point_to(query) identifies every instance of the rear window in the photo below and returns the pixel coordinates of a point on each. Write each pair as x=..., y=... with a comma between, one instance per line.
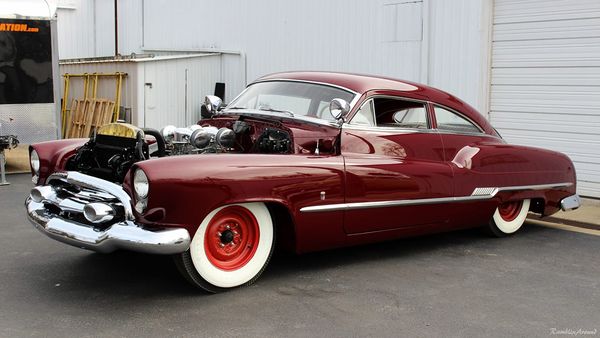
x=448, y=120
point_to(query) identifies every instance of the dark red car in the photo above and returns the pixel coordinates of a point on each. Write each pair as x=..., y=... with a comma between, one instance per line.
x=305, y=160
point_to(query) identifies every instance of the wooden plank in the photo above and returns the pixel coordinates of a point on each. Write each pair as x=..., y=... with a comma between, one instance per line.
x=69, y=117
x=77, y=118
x=91, y=110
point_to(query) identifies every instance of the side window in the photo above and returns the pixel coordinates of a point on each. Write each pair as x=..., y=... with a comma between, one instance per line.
x=450, y=121
x=400, y=113
x=365, y=115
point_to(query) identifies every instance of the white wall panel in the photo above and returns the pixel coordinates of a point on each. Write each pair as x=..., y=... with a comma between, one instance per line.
x=458, y=49
x=284, y=35
x=130, y=26
x=546, y=80
x=177, y=90
x=75, y=33
x=86, y=30
x=398, y=38
x=104, y=38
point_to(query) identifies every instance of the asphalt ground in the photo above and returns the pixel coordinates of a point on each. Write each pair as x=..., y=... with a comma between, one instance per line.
x=541, y=282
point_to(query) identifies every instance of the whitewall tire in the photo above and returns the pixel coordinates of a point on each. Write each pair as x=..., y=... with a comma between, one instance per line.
x=509, y=217
x=231, y=247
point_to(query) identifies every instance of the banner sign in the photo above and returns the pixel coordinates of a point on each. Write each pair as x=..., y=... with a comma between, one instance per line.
x=25, y=62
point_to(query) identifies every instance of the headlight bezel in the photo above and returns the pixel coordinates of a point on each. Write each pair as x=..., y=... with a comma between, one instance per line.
x=35, y=165
x=34, y=162
x=141, y=185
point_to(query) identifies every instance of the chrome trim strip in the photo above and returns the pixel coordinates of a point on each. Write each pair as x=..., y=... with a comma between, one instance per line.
x=492, y=191
x=570, y=203
x=478, y=194
x=123, y=235
x=385, y=204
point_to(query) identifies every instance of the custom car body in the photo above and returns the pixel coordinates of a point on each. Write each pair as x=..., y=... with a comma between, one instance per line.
x=305, y=160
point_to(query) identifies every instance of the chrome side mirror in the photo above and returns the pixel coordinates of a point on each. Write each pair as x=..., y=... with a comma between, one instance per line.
x=339, y=108
x=212, y=104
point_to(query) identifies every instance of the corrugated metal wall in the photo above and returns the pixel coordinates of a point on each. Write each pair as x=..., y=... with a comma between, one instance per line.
x=159, y=91
x=546, y=80
x=433, y=41
x=177, y=89
x=458, y=54
x=86, y=29
x=283, y=35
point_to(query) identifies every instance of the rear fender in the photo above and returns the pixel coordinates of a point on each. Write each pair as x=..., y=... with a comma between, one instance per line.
x=504, y=165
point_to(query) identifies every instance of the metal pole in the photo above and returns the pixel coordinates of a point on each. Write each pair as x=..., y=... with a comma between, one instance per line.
x=64, y=106
x=2, y=163
x=116, y=30
x=118, y=96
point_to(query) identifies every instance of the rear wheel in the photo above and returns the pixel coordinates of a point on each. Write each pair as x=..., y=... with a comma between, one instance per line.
x=231, y=247
x=509, y=217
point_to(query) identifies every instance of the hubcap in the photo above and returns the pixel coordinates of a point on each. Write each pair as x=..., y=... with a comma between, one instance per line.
x=231, y=238
x=510, y=210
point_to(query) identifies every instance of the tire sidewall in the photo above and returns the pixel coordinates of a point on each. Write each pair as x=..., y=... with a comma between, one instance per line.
x=503, y=227
x=228, y=279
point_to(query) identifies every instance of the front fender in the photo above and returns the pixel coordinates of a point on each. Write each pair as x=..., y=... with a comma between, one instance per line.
x=185, y=189
x=54, y=155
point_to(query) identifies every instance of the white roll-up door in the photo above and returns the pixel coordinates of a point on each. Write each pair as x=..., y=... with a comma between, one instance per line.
x=545, y=80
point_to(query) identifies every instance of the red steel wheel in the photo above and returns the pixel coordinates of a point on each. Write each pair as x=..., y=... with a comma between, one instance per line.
x=231, y=247
x=509, y=217
x=231, y=238
x=510, y=210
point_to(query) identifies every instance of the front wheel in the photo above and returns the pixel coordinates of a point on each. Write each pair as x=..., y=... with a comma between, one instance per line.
x=508, y=218
x=231, y=247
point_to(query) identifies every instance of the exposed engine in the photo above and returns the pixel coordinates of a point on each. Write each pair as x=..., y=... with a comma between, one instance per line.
x=114, y=148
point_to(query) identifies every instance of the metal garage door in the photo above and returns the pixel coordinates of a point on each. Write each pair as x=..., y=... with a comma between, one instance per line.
x=545, y=81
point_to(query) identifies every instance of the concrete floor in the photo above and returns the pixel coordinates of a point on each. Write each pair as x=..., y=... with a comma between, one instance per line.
x=451, y=285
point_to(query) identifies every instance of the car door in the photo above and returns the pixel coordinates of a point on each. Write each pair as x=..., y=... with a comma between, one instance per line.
x=394, y=163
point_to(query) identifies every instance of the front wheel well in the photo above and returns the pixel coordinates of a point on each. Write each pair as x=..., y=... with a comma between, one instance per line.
x=284, y=226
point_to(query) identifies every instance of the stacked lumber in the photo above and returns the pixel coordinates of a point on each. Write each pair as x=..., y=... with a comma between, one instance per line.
x=88, y=115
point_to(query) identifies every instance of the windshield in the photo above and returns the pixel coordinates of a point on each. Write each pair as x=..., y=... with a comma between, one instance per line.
x=291, y=98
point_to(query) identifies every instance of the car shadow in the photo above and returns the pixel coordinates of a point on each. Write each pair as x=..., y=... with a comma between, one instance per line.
x=140, y=275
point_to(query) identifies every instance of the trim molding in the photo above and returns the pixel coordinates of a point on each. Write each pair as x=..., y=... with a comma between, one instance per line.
x=477, y=195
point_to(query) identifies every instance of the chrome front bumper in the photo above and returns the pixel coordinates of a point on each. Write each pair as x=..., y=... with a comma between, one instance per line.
x=124, y=234
x=570, y=203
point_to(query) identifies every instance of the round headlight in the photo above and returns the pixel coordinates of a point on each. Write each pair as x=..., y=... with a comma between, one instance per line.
x=140, y=184
x=34, y=160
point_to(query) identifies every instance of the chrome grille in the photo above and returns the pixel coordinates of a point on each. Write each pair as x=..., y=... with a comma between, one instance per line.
x=64, y=198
